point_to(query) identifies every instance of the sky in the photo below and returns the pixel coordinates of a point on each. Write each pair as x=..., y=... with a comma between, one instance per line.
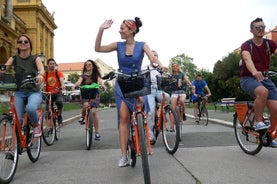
x=206, y=31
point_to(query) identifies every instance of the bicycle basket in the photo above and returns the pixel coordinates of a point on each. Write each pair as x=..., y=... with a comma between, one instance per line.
x=241, y=109
x=167, y=84
x=88, y=93
x=135, y=85
x=7, y=79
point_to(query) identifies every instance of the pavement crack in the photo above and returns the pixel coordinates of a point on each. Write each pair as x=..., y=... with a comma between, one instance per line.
x=187, y=170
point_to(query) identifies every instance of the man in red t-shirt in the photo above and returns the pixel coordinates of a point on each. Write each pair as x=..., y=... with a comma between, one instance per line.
x=256, y=60
x=54, y=81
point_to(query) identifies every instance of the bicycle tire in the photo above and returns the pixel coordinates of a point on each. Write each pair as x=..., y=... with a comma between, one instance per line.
x=34, y=145
x=132, y=155
x=48, y=129
x=143, y=148
x=204, y=115
x=170, y=133
x=8, y=158
x=180, y=117
x=56, y=126
x=89, y=129
x=249, y=143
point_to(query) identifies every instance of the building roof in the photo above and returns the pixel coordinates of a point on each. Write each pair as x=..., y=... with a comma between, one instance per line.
x=78, y=66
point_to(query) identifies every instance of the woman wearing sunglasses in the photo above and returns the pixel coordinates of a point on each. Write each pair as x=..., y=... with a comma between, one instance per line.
x=25, y=64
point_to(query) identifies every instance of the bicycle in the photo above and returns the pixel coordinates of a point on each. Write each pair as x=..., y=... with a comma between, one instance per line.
x=50, y=128
x=89, y=92
x=168, y=83
x=15, y=139
x=202, y=114
x=249, y=140
x=134, y=86
x=166, y=121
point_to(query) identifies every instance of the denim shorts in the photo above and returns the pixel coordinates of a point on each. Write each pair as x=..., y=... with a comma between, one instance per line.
x=249, y=84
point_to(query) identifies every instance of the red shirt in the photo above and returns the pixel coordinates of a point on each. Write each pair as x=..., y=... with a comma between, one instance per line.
x=52, y=82
x=260, y=56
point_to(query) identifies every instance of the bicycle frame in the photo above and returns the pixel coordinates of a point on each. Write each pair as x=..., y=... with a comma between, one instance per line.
x=17, y=128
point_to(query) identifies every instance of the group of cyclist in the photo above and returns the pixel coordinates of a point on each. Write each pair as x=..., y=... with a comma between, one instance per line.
x=130, y=55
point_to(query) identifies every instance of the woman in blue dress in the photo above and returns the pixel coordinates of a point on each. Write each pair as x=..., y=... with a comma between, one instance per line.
x=130, y=55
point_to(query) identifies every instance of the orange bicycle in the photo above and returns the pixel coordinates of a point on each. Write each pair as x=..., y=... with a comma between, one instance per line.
x=249, y=140
x=14, y=138
x=166, y=121
x=90, y=92
x=139, y=139
x=49, y=125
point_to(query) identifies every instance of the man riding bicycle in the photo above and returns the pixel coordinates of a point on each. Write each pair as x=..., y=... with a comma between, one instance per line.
x=197, y=90
x=256, y=60
x=54, y=81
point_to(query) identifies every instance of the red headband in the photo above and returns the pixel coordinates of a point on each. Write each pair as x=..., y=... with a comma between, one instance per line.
x=131, y=25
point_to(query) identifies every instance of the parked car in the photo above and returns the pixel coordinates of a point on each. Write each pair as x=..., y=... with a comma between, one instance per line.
x=70, y=95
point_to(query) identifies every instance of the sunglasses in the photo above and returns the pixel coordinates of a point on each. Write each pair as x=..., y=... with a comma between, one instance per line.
x=22, y=41
x=258, y=28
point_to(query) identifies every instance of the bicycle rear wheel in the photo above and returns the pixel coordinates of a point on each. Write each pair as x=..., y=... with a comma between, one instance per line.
x=48, y=129
x=204, y=116
x=8, y=150
x=247, y=137
x=89, y=129
x=143, y=148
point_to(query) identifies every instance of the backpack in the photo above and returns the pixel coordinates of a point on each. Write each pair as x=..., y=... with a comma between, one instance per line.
x=250, y=43
x=57, y=76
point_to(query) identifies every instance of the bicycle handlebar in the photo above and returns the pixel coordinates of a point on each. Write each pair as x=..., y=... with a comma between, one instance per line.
x=269, y=74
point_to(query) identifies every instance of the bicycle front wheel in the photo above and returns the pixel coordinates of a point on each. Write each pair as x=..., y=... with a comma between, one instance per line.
x=89, y=129
x=34, y=145
x=247, y=137
x=143, y=148
x=8, y=150
x=204, y=116
x=48, y=129
x=170, y=130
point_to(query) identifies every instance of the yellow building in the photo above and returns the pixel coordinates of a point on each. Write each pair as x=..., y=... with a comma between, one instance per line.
x=29, y=17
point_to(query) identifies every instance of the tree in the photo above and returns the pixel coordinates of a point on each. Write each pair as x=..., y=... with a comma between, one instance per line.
x=186, y=65
x=73, y=77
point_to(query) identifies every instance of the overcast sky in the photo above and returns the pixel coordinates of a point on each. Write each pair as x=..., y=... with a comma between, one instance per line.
x=204, y=30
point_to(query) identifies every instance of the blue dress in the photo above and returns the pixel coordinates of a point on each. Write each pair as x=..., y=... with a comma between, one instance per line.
x=128, y=65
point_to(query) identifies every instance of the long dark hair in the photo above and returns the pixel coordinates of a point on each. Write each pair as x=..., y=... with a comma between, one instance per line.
x=95, y=70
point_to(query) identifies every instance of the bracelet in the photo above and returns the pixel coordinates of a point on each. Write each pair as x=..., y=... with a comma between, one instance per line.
x=39, y=73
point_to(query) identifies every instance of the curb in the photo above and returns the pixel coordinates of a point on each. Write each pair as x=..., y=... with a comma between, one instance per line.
x=218, y=121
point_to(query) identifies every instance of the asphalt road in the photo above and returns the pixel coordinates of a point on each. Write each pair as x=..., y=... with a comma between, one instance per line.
x=208, y=155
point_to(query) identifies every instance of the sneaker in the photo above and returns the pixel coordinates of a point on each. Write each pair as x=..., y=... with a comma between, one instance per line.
x=60, y=120
x=81, y=121
x=123, y=162
x=97, y=137
x=184, y=117
x=273, y=144
x=37, y=131
x=261, y=126
x=152, y=140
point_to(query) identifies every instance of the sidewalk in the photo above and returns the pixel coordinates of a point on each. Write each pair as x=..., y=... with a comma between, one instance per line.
x=218, y=116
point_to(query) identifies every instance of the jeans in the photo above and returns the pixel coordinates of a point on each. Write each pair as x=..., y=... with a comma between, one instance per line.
x=34, y=100
x=152, y=104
